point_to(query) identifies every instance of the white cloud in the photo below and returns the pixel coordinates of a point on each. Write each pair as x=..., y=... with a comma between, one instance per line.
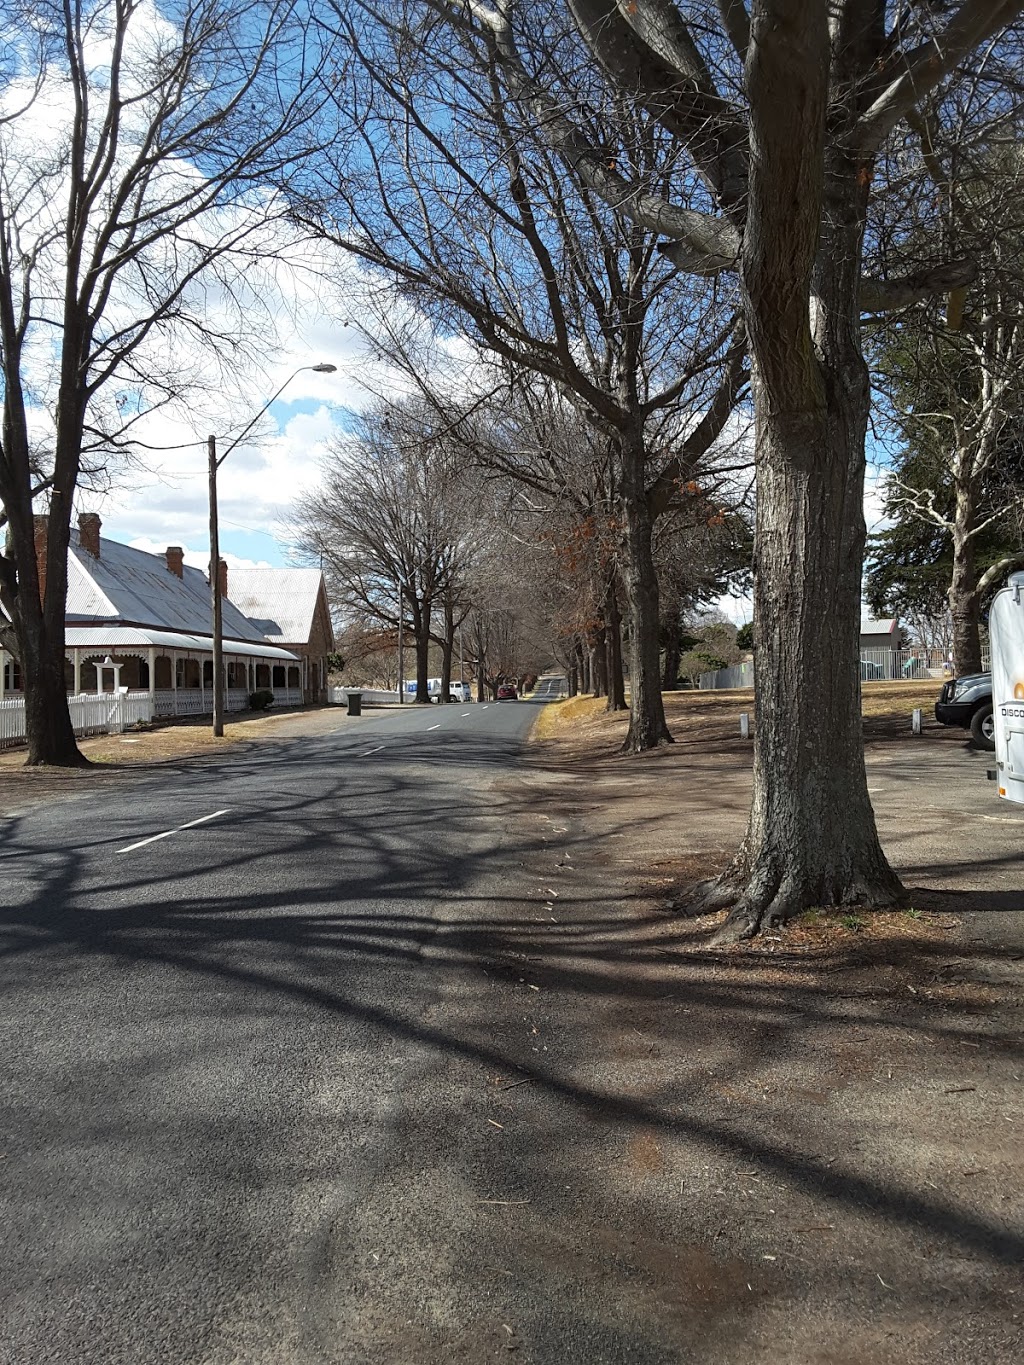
x=197, y=559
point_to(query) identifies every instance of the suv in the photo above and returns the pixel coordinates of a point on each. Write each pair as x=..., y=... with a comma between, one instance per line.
x=506, y=692
x=967, y=702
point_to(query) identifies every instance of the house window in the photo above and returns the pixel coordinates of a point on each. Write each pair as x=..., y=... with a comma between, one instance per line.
x=12, y=676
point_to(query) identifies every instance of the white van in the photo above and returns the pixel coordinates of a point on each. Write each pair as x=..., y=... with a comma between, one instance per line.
x=1006, y=637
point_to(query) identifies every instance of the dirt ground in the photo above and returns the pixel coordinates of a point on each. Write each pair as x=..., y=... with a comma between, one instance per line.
x=834, y=1112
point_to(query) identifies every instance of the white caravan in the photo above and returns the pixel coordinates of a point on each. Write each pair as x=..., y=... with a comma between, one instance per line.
x=1006, y=635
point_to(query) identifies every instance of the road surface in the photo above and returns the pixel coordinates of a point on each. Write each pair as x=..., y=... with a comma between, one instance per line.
x=224, y=1041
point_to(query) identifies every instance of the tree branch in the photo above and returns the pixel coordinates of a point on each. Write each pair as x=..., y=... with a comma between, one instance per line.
x=1005, y=565
x=883, y=296
x=920, y=70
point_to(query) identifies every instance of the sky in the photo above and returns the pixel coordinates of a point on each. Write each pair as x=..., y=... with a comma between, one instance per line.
x=167, y=501
x=163, y=499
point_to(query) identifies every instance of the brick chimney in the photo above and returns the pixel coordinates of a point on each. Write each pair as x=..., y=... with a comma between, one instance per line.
x=40, y=533
x=176, y=560
x=222, y=577
x=89, y=533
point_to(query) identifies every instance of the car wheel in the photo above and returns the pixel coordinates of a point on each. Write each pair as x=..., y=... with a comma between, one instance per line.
x=983, y=727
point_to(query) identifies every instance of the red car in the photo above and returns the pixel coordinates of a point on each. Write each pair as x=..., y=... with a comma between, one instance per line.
x=506, y=692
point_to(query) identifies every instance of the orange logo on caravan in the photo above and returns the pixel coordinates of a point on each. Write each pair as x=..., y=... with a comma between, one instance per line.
x=1018, y=691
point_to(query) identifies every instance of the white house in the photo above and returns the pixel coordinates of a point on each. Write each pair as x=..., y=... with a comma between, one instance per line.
x=142, y=621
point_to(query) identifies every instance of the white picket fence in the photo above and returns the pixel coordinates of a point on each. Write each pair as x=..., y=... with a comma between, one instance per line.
x=91, y=714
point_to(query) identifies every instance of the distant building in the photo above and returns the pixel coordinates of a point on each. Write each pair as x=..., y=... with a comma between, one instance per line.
x=880, y=634
x=290, y=607
x=142, y=621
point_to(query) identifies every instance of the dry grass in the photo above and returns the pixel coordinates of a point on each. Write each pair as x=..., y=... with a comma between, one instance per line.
x=165, y=743
x=887, y=702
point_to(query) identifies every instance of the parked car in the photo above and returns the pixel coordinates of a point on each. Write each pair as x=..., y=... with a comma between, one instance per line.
x=967, y=702
x=506, y=692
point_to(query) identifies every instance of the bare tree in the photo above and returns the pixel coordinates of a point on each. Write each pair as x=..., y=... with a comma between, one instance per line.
x=468, y=208
x=137, y=152
x=781, y=111
x=390, y=522
x=953, y=375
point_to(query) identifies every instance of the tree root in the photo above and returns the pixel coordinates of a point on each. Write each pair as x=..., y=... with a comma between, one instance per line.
x=760, y=899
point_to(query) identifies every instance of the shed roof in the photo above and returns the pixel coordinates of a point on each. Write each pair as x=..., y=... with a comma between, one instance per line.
x=281, y=602
x=133, y=587
x=869, y=626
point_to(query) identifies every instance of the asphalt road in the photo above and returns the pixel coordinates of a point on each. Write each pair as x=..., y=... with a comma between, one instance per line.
x=218, y=1014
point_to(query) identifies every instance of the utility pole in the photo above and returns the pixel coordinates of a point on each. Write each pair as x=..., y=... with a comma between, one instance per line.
x=215, y=599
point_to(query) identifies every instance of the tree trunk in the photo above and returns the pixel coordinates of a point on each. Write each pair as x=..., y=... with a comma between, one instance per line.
x=39, y=626
x=613, y=649
x=597, y=660
x=811, y=838
x=964, y=604
x=51, y=737
x=583, y=662
x=446, y=656
x=421, y=624
x=671, y=636
x=647, y=728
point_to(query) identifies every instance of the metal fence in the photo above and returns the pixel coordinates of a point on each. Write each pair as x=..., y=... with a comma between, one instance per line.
x=91, y=714
x=740, y=675
x=876, y=665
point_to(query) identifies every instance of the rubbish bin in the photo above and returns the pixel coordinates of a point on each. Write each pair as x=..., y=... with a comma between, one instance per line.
x=355, y=703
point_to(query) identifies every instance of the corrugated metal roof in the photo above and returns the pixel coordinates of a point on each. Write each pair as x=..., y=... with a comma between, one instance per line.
x=869, y=626
x=281, y=602
x=131, y=585
x=134, y=637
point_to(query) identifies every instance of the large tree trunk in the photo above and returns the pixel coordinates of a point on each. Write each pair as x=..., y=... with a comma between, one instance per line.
x=39, y=627
x=964, y=603
x=647, y=728
x=583, y=657
x=597, y=663
x=811, y=838
x=613, y=649
x=446, y=656
x=421, y=627
x=671, y=638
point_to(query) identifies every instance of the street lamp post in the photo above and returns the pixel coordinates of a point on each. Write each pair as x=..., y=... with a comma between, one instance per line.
x=217, y=611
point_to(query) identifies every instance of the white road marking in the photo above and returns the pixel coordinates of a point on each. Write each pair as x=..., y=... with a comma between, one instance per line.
x=485, y=706
x=464, y=713
x=168, y=832
x=367, y=752
x=434, y=727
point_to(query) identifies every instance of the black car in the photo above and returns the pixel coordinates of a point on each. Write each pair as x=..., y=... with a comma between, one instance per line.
x=967, y=702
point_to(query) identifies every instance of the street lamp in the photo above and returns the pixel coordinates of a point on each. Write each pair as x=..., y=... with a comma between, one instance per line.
x=215, y=599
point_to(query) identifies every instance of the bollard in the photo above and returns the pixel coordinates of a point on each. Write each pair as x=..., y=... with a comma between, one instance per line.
x=915, y=720
x=744, y=725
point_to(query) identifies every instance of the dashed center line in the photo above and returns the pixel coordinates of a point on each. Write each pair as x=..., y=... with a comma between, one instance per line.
x=464, y=713
x=434, y=727
x=177, y=830
x=367, y=752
